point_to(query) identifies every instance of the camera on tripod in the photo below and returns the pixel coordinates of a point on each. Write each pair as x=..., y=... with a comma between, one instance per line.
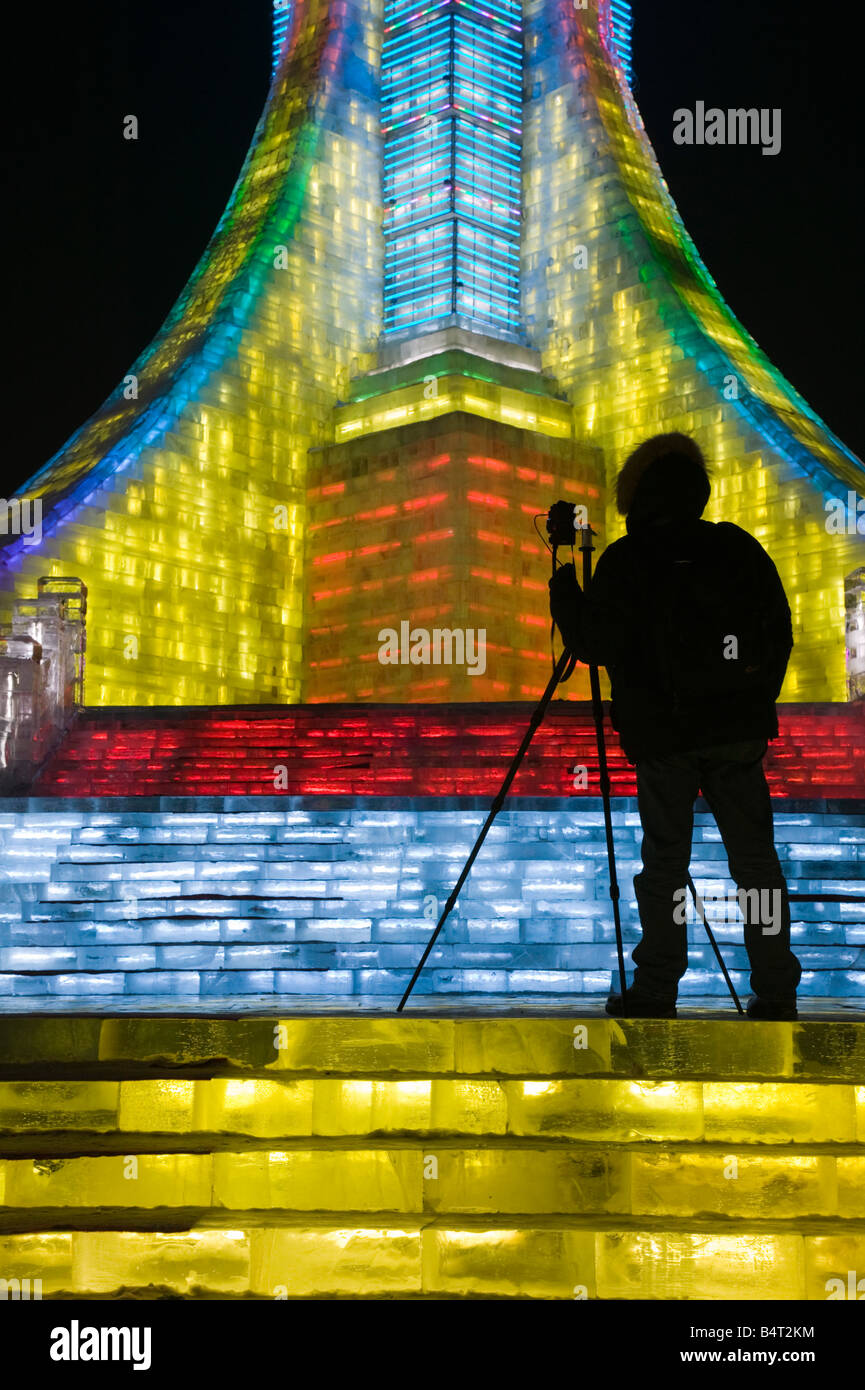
x=564, y=520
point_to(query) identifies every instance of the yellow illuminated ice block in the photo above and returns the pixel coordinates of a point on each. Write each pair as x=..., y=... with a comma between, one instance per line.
x=587, y=1110
x=487, y=399
x=373, y=1047
x=403, y=1257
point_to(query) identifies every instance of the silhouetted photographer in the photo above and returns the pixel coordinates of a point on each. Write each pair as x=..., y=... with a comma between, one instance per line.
x=691, y=621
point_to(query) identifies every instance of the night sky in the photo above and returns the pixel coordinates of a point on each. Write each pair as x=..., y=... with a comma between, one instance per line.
x=101, y=233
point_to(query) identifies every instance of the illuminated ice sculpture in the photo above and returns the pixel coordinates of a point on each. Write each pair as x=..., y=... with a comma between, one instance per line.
x=449, y=281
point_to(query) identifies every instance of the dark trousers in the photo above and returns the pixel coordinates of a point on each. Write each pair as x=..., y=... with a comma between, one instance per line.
x=733, y=783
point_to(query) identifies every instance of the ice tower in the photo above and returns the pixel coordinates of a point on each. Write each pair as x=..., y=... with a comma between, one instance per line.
x=449, y=286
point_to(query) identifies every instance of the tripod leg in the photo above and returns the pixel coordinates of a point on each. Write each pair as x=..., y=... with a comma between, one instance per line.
x=720, y=959
x=534, y=724
x=598, y=712
x=586, y=549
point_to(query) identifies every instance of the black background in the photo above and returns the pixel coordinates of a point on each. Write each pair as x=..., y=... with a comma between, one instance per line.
x=100, y=234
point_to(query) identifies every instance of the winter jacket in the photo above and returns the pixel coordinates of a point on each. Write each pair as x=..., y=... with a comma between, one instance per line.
x=623, y=625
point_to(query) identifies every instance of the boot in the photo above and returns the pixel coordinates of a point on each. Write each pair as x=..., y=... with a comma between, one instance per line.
x=780, y=1010
x=639, y=1005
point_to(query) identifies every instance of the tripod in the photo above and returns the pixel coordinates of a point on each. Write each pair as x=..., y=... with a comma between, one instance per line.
x=561, y=671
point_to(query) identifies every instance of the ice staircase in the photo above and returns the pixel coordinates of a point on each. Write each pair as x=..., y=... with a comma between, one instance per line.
x=567, y=1157
x=155, y=865
x=120, y=904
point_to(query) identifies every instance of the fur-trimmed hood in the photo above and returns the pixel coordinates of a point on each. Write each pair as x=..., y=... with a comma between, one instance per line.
x=669, y=472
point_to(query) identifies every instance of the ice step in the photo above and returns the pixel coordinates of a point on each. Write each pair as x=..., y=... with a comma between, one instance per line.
x=543, y=1158
x=114, y=901
x=371, y=750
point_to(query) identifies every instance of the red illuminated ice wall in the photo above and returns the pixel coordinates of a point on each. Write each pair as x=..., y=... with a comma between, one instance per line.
x=426, y=575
